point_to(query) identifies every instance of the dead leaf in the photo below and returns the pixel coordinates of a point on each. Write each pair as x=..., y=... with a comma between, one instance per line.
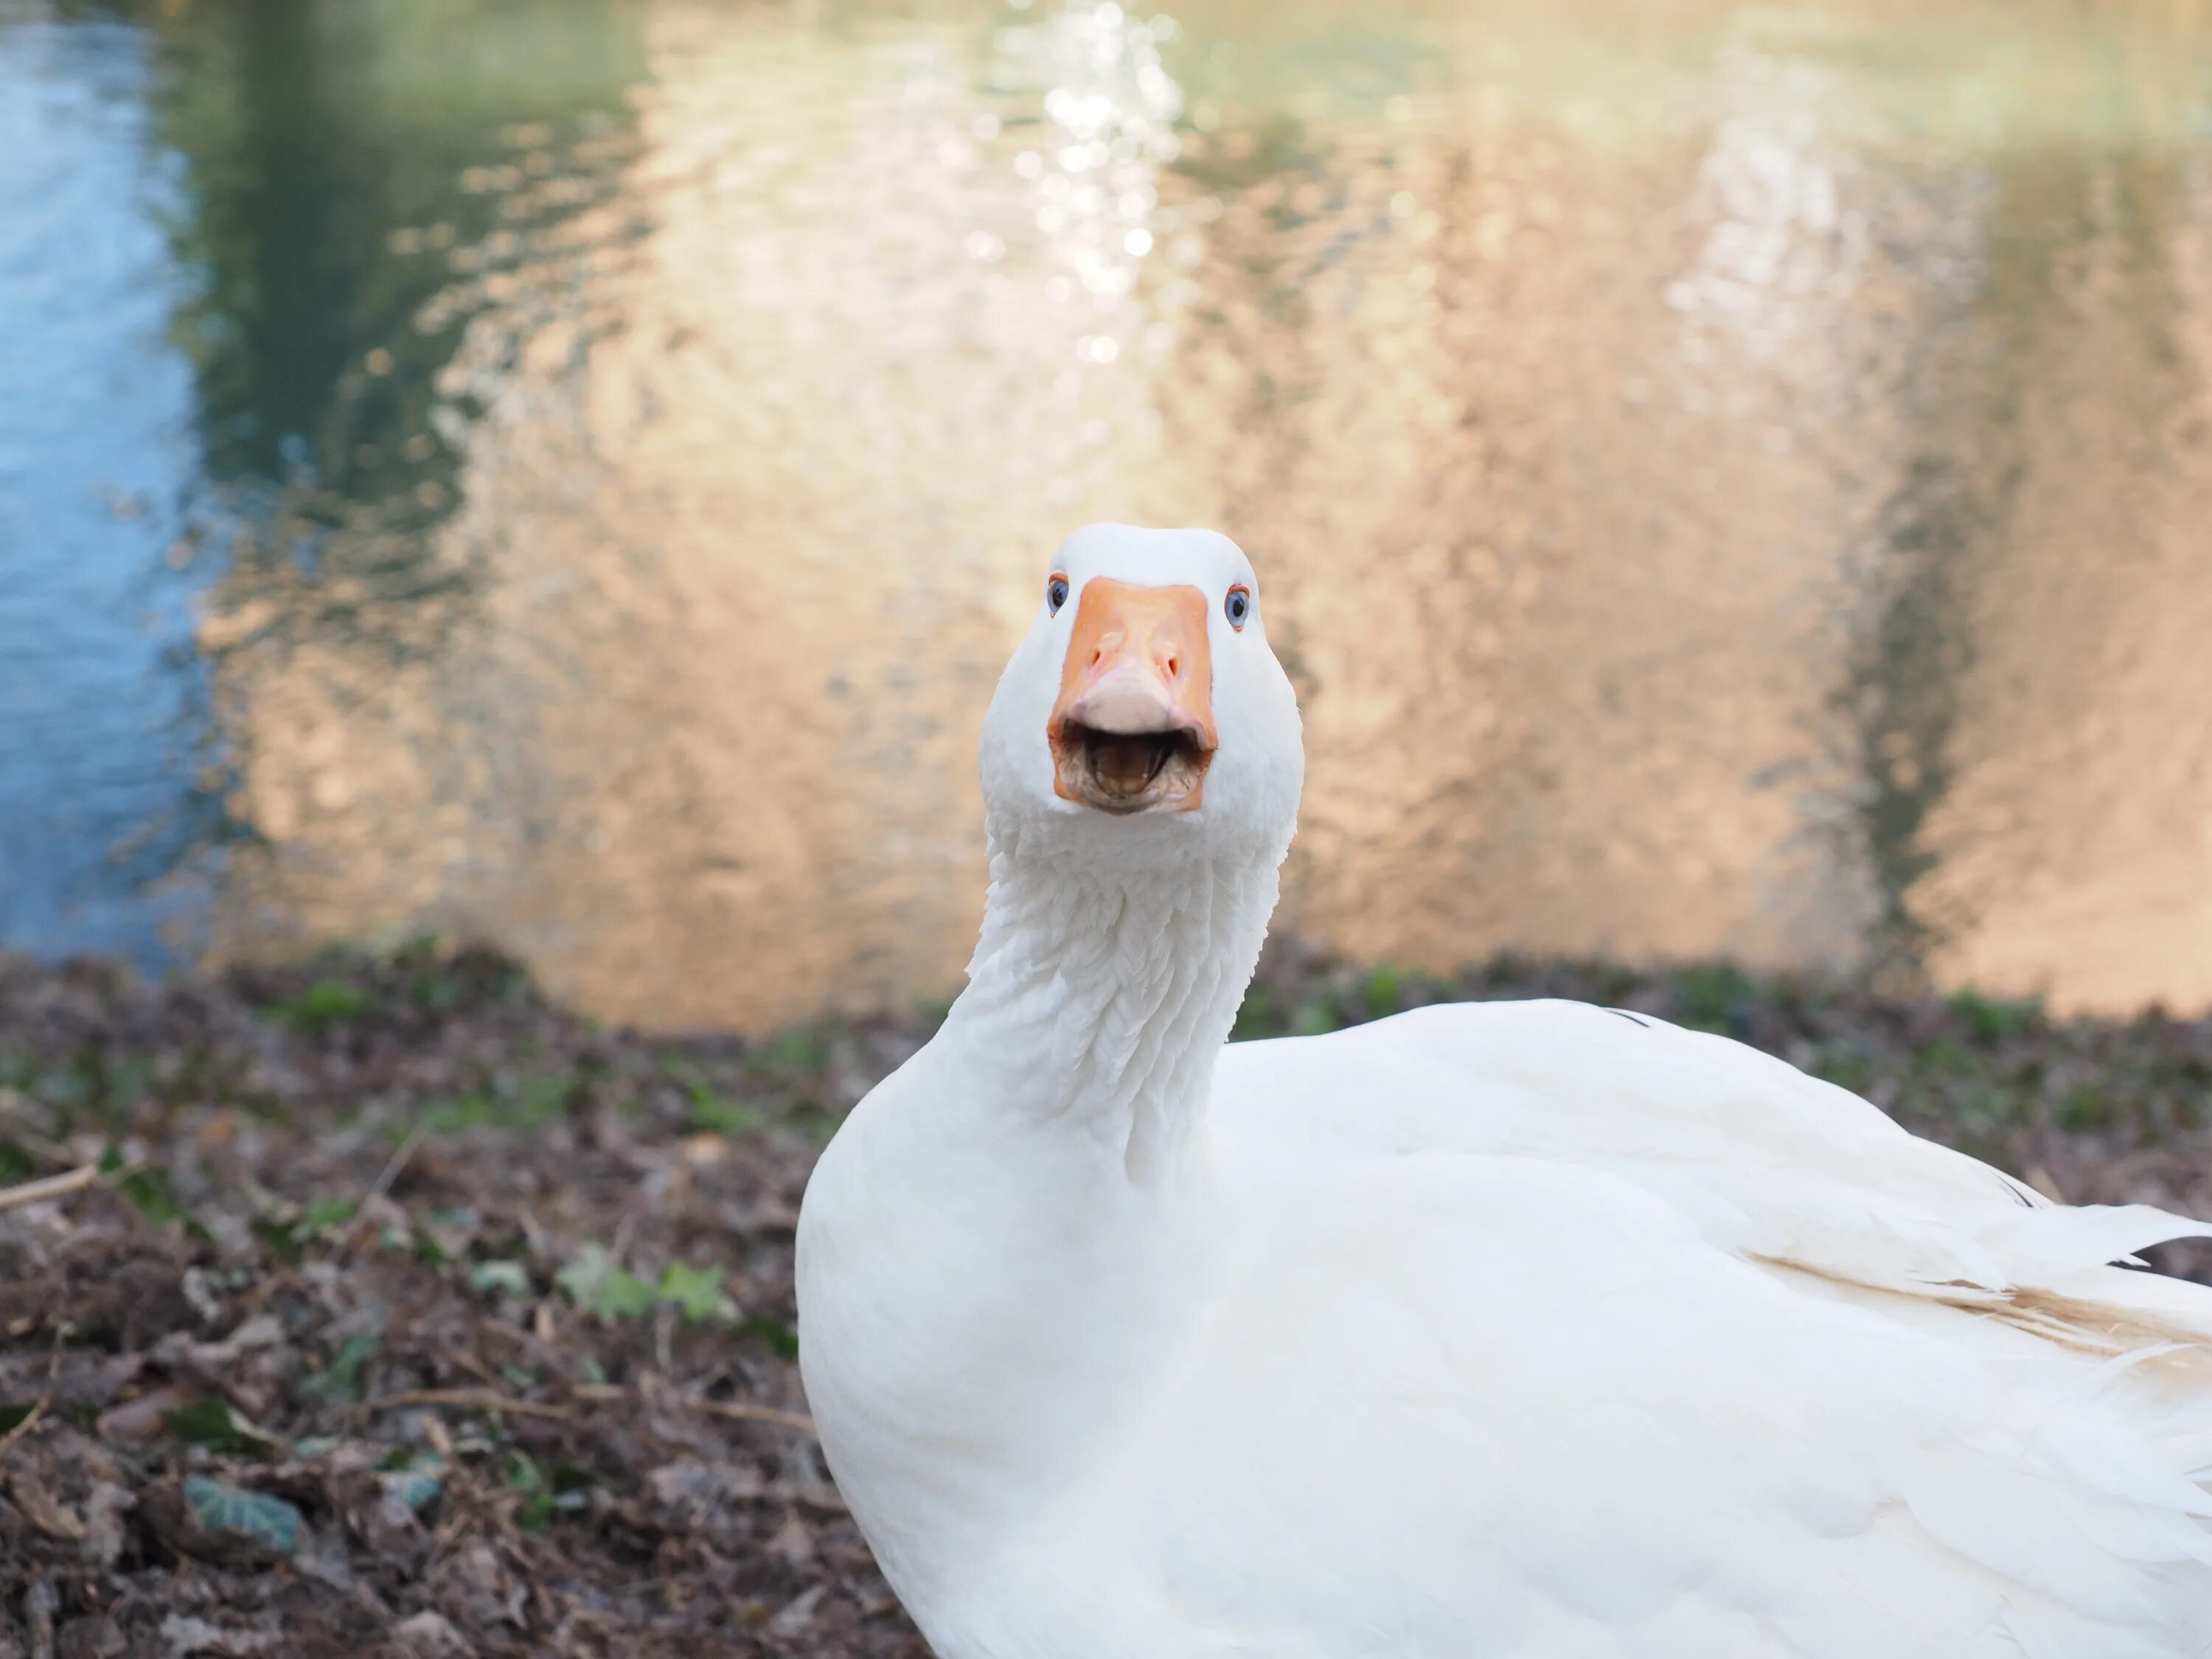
x=47, y=1512
x=797, y=1614
x=431, y=1636
x=104, y=1511
x=140, y=1419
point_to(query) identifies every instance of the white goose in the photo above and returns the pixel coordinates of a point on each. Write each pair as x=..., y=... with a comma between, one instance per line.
x=1506, y=1331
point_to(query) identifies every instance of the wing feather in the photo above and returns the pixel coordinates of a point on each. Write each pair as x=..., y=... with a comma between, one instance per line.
x=1608, y=1339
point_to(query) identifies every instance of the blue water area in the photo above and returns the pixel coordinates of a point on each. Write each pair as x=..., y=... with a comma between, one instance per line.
x=220, y=227
x=103, y=727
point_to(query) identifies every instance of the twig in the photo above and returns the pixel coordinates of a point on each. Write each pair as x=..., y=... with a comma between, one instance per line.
x=48, y=1187
x=485, y=1399
x=53, y=1380
x=397, y=1161
x=606, y=1392
x=745, y=1413
x=472, y=1400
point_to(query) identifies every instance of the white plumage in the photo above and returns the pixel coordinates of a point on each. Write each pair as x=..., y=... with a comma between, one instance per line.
x=1523, y=1331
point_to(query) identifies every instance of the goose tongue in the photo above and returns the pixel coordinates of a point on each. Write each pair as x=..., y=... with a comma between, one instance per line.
x=1131, y=729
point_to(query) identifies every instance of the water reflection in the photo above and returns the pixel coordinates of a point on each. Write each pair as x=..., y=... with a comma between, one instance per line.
x=340, y=159
x=102, y=701
x=1729, y=480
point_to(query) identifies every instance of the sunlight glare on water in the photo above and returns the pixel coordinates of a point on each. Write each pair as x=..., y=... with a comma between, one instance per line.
x=1729, y=480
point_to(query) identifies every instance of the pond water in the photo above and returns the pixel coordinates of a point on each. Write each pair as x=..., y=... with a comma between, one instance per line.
x=1730, y=480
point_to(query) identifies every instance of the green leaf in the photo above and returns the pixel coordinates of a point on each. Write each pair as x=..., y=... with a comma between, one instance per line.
x=269, y=1521
x=583, y=1272
x=1990, y=1020
x=416, y=1491
x=342, y=1380
x=415, y=1479
x=524, y=1475
x=697, y=1292
x=211, y=1423
x=778, y=1336
x=799, y=1048
x=594, y=1283
x=1260, y=1015
x=711, y=1114
x=510, y=1277
x=151, y=1195
x=324, y=1214
x=1379, y=993
x=2084, y=1107
x=16, y=1164
x=621, y=1295
x=326, y=1002
x=459, y=1115
x=1714, y=998
x=286, y=1239
x=543, y=1099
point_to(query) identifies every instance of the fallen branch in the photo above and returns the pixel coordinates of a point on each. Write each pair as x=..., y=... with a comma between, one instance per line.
x=31, y=1418
x=50, y=1186
x=740, y=1411
x=472, y=1400
x=397, y=1161
x=745, y=1412
x=485, y=1399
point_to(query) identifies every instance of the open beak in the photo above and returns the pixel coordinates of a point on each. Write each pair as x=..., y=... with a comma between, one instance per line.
x=1131, y=729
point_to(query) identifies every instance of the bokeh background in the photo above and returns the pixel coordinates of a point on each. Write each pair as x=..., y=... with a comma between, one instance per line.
x=1731, y=480
x=511, y=511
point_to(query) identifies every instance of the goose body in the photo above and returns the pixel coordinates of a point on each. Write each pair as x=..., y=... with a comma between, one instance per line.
x=1504, y=1331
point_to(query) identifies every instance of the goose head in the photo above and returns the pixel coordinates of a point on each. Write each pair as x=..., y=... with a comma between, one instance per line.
x=1144, y=717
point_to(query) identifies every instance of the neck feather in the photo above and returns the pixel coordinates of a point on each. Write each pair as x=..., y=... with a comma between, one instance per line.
x=1101, y=991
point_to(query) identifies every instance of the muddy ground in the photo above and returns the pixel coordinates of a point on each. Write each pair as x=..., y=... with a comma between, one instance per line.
x=379, y=1309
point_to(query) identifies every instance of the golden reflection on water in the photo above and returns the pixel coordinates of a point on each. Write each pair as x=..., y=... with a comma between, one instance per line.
x=1729, y=480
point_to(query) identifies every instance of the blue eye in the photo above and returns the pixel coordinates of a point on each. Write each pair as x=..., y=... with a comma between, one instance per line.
x=1238, y=605
x=1055, y=595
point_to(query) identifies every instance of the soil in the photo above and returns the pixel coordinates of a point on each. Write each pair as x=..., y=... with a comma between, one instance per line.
x=388, y=1311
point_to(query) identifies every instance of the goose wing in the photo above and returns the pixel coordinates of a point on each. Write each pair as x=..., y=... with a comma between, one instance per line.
x=1765, y=1162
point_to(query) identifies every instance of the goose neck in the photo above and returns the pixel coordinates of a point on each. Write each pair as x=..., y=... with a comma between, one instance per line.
x=1100, y=994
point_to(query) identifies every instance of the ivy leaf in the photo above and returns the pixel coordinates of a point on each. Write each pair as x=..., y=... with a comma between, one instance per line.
x=583, y=1272
x=149, y=1191
x=269, y=1521
x=697, y=1292
x=211, y=1423
x=326, y=1002
x=712, y=1114
x=324, y=1214
x=606, y=1291
x=778, y=1336
x=415, y=1482
x=416, y=1492
x=621, y=1295
x=342, y=1380
x=511, y=1278
x=526, y=1477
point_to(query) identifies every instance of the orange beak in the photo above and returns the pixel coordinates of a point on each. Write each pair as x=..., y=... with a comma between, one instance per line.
x=1131, y=729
